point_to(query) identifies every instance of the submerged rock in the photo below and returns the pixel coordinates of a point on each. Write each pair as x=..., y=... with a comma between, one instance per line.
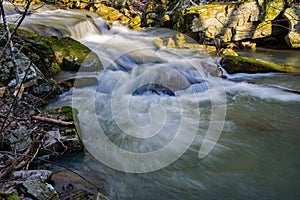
x=156, y=89
x=71, y=186
x=239, y=64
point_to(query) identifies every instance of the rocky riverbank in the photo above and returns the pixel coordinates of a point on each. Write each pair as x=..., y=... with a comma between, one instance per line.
x=271, y=23
x=32, y=138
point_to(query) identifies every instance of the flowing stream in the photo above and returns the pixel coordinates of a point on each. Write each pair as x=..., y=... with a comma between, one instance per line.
x=147, y=97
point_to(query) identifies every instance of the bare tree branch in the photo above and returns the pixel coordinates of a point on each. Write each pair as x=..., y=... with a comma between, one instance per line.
x=9, y=41
x=3, y=127
x=53, y=121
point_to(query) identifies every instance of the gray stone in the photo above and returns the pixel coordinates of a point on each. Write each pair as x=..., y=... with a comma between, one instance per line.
x=230, y=22
x=292, y=14
x=40, y=190
x=42, y=175
x=20, y=139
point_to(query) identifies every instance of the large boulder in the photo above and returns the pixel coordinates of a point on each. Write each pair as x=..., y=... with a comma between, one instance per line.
x=229, y=22
x=239, y=64
x=292, y=14
x=48, y=56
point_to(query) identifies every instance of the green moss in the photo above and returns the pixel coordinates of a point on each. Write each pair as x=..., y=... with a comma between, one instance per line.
x=37, y=48
x=49, y=51
x=65, y=111
x=13, y=197
x=55, y=68
x=273, y=9
x=8, y=196
x=240, y=64
x=68, y=46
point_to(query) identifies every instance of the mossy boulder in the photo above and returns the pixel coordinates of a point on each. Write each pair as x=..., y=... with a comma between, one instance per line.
x=41, y=51
x=292, y=14
x=228, y=22
x=71, y=54
x=52, y=51
x=268, y=11
x=239, y=64
x=48, y=54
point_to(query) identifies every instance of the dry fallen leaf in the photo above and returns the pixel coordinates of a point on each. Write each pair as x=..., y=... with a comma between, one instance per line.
x=2, y=91
x=20, y=92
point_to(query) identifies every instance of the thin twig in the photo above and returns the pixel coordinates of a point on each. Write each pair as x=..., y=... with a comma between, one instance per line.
x=18, y=163
x=22, y=18
x=15, y=29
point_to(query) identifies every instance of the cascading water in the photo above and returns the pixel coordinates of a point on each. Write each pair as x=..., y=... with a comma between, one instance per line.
x=148, y=98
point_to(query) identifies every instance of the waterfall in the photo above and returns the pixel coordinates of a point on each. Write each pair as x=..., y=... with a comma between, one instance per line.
x=61, y=23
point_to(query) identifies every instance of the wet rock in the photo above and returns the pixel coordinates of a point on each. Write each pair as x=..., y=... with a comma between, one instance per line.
x=171, y=43
x=72, y=186
x=229, y=52
x=56, y=142
x=155, y=89
x=239, y=64
x=70, y=63
x=248, y=45
x=40, y=190
x=42, y=89
x=63, y=139
x=292, y=14
x=85, y=81
x=72, y=55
